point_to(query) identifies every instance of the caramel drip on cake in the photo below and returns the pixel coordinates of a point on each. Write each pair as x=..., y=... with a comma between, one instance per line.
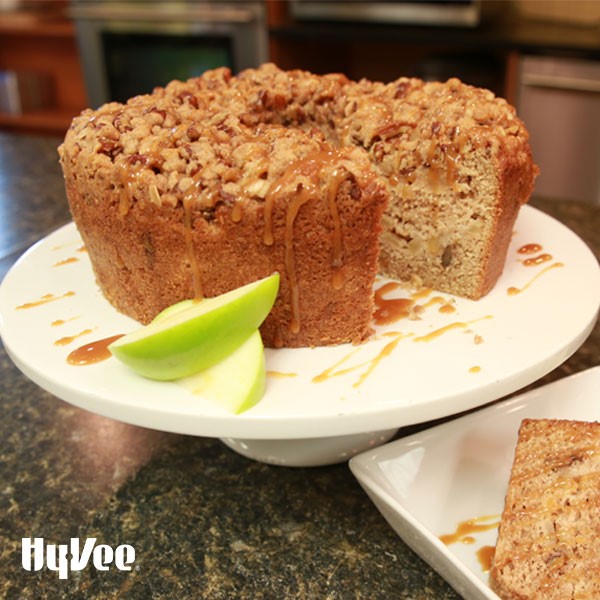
x=236, y=212
x=125, y=197
x=129, y=176
x=336, y=178
x=443, y=159
x=189, y=245
x=293, y=209
x=309, y=169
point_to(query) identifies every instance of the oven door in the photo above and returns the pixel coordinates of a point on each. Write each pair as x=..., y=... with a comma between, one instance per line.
x=129, y=48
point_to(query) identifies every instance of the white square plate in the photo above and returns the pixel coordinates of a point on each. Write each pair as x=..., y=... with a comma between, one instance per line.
x=428, y=484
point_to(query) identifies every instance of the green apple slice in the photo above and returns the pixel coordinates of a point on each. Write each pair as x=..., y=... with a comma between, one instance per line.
x=171, y=310
x=237, y=382
x=197, y=336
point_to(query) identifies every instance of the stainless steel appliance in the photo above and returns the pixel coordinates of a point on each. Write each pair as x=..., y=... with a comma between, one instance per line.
x=559, y=101
x=128, y=48
x=464, y=13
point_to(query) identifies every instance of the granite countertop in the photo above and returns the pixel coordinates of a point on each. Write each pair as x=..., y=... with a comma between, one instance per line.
x=204, y=521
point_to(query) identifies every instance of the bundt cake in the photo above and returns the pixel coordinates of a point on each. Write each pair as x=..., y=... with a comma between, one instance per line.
x=204, y=185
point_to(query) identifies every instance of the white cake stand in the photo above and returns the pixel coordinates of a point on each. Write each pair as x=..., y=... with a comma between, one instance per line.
x=322, y=405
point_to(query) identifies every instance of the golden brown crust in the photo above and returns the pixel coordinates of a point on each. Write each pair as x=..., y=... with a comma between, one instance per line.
x=548, y=538
x=173, y=192
x=185, y=217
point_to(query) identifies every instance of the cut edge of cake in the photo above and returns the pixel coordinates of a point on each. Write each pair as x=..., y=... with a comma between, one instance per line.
x=548, y=543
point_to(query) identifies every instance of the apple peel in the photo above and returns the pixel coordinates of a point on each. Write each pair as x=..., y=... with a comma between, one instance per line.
x=237, y=382
x=199, y=334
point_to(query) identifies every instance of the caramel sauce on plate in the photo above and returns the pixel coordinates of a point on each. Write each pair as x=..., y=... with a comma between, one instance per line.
x=485, y=556
x=533, y=261
x=537, y=260
x=60, y=322
x=69, y=339
x=92, y=353
x=66, y=261
x=390, y=310
x=530, y=249
x=465, y=529
x=513, y=291
x=280, y=374
x=45, y=299
x=447, y=308
x=455, y=325
x=368, y=365
x=465, y=532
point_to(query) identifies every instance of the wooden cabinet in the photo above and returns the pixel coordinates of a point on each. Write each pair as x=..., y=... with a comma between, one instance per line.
x=44, y=46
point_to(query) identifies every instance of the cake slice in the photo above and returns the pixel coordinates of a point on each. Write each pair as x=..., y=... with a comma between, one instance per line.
x=458, y=167
x=549, y=537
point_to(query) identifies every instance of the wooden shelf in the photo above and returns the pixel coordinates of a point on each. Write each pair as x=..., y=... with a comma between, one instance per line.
x=30, y=25
x=44, y=44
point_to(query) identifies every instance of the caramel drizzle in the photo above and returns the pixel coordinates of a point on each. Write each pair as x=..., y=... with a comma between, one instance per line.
x=390, y=310
x=189, y=245
x=513, y=291
x=456, y=325
x=532, y=248
x=485, y=556
x=443, y=159
x=281, y=374
x=69, y=339
x=61, y=322
x=310, y=169
x=45, y=299
x=92, y=353
x=128, y=178
x=236, y=212
x=292, y=212
x=66, y=261
x=336, y=178
x=335, y=370
x=534, y=261
x=465, y=529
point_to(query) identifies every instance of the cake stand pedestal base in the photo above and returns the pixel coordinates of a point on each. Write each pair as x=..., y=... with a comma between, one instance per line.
x=309, y=452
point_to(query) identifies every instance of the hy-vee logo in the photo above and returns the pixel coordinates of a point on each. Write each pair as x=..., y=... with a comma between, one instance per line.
x=65, y=558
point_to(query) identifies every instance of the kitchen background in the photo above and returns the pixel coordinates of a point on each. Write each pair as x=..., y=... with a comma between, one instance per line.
x=205, y=521
x=58, y=57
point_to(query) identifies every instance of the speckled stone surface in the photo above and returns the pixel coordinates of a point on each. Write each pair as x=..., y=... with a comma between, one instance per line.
x=205, y=522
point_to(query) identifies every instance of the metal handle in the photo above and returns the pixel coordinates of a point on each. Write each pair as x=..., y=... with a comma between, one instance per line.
x=557, y=82
x=162, y=12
